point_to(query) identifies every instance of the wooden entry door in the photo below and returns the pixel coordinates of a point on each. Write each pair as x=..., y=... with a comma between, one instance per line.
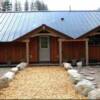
x=44, y=49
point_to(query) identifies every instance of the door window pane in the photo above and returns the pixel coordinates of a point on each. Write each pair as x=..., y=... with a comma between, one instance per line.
x=44, y=42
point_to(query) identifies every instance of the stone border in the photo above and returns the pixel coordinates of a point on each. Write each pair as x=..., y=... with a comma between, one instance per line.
x=82, y=84
x=9, y=76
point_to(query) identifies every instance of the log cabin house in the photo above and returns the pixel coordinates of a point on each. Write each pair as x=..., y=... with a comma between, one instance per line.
x=50, y=37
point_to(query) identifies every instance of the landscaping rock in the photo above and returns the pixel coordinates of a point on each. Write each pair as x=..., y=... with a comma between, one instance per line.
x=79, y=65
x=74, y=76
x=86, y=75
x=89, y=78
x=4, y=83
x=15, y=70
x=22, y=65
x=9, y=75
x=92, y=72
x=94, y=94
x=72, y=70
x=67, y=66
x=94, y=83
x=82, y=73
x=84, y=87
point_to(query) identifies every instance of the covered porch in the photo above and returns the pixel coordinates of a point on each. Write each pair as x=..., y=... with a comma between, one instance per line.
x=43, y=46
x=47, y=46
x=60, y=51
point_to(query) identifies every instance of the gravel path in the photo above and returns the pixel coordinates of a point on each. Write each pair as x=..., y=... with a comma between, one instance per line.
x=41, y=83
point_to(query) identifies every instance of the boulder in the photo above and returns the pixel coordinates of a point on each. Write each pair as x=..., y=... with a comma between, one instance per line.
x=95, y=84
x=4, y=83
x=79, y=65
x=72, y=71
x=74, y=76
x=92, y=72
x=82, y=73
x=22, y=66
x=9, y=75
x=89, y=78
x=94, y=94
x=15, y=70
x=84, y=87
x=67, y=66
x=86, y=75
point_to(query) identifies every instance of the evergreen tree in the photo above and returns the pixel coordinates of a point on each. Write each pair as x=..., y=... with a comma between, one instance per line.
x=0, y=5
x=32, y=6
x=40, y=5
x=26, y=6
x=6, y=5
x=17, y=6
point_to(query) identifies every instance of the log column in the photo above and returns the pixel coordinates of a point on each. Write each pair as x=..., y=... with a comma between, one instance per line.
x=87, y=51
x=27, y=51
x=60, y=51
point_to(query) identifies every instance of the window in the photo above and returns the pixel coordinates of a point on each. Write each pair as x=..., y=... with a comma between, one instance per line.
x=44, y=42
x=95, y=40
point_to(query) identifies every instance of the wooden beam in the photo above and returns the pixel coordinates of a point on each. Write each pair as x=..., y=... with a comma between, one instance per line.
x=87, y=52
x=60, y=52
x=44, y=34
x=24, y=41
x=72, y=40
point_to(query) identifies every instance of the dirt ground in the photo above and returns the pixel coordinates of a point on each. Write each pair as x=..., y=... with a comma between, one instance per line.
x=50, y=82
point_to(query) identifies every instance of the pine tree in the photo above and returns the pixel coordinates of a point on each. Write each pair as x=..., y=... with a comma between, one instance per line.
x=40, y=5
x=26, y=6
x=6, y=5
x=0, y=5
x=32, y=6
x=17, y=6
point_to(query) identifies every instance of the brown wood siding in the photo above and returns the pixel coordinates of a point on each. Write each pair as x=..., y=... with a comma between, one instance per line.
x=13, y=52
x=34, y=50
x=94, y=52
x=54, y=49
x=3, y=53
x=73, y=50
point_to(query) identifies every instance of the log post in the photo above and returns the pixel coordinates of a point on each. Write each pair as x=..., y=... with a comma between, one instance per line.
x=87, y=51
x=60, y=51
x=27, y=51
